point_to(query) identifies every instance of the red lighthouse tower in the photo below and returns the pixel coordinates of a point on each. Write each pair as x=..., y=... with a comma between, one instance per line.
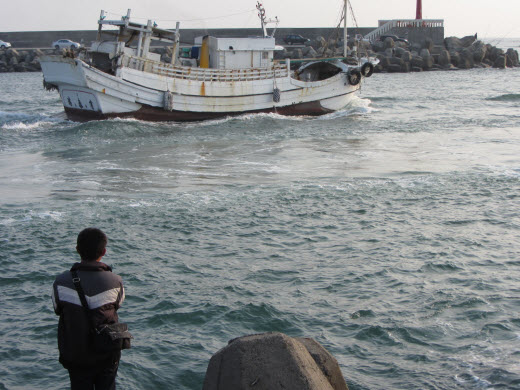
x=418, y=13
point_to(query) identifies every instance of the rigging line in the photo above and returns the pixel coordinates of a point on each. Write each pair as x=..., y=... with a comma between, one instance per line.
x=335, y=32
x=108, y=12
x=340, y=16
x=352, y=13
x=499, y=39
x=194, y=20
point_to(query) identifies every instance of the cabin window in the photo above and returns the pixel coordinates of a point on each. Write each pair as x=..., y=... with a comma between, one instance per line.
x=265, y=55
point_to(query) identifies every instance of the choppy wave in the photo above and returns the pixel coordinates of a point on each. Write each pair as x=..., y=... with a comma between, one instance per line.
x=23, y=121
x=509, y=97
x=25, y=126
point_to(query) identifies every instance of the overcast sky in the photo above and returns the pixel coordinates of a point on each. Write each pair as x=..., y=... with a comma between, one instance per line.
x=497, y=18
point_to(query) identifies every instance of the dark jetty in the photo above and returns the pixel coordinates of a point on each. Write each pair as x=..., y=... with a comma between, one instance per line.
x=455, y=53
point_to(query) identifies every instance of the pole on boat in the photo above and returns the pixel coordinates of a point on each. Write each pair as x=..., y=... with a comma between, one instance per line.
x=175, y=48
x=261, y=15
x=101, y=17
x=345, y=36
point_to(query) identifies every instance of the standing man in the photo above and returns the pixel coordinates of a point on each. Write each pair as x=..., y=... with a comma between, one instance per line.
x=104, y=293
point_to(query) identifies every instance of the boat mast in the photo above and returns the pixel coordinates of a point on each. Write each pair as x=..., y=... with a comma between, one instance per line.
x=345, y=36
x=175, y=47
x=264, y=22
x=261, y=15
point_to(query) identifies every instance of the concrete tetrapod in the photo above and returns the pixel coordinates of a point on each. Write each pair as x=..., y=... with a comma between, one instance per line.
x=271, y=361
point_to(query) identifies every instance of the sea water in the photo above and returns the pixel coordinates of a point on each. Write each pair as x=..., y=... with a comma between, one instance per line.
x=389, y=232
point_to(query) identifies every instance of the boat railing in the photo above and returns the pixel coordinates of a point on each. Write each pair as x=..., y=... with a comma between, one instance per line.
x=205, y=74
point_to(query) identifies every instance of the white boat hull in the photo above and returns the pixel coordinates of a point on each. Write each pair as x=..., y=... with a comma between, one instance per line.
x=88, y=93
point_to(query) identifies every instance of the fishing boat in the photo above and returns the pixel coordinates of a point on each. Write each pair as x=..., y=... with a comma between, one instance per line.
x=215, y=77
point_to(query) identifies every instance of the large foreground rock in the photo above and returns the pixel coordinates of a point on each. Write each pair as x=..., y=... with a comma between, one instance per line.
x=272, y=361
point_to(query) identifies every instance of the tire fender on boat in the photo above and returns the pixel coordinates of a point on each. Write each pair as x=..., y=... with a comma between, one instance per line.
x=354, y=77
x=367, y=69
x=276, y=95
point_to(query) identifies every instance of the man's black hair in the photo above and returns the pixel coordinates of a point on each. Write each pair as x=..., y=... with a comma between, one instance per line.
x=91, y=244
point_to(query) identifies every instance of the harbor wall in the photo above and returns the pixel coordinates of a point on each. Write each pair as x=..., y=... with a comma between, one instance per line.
x=44, y=39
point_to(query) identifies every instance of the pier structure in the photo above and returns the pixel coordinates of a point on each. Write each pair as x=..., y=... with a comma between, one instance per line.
x=415, y=30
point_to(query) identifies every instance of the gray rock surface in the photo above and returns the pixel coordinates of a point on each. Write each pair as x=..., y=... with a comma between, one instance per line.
x=326, y=362
x=459, y=43
x=500, y=62
x=406, y=56
x=272, y=361
x=512, y=58
x=428, y=44
x=444, y=58
x=389, y=43
x=424, y=53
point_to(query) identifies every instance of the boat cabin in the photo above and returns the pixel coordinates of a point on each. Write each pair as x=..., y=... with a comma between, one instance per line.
x=133, y=40
x=240, y=53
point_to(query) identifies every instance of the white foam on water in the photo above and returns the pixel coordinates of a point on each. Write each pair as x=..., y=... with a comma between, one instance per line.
x=358, y=106
x=355, y=107
x=140, y=203
x=275, y=169
x=7, y=221
x=24, y=122
x=273, y=115
x=54, y=215
x=479, y=382
x=24, y=126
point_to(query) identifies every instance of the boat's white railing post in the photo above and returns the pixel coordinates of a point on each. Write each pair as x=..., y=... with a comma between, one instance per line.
x=288, y=65
x=175, y=48
x=139, y=43
x=147, y=38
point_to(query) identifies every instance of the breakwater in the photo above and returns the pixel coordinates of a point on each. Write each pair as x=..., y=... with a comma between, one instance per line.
x=12, y=60
x=394, y=56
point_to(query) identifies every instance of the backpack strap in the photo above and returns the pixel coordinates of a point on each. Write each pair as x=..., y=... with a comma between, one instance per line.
x=76, y=280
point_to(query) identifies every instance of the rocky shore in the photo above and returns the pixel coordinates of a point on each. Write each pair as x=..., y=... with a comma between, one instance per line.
x=455, y=53
x=13, y=60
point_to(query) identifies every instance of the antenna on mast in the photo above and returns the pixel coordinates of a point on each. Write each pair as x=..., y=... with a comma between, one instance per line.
x=264, y=21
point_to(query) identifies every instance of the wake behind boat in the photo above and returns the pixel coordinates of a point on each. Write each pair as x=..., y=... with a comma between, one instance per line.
x=216, y=77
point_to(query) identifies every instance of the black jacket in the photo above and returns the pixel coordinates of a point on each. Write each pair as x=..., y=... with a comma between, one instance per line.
x=104, y=293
